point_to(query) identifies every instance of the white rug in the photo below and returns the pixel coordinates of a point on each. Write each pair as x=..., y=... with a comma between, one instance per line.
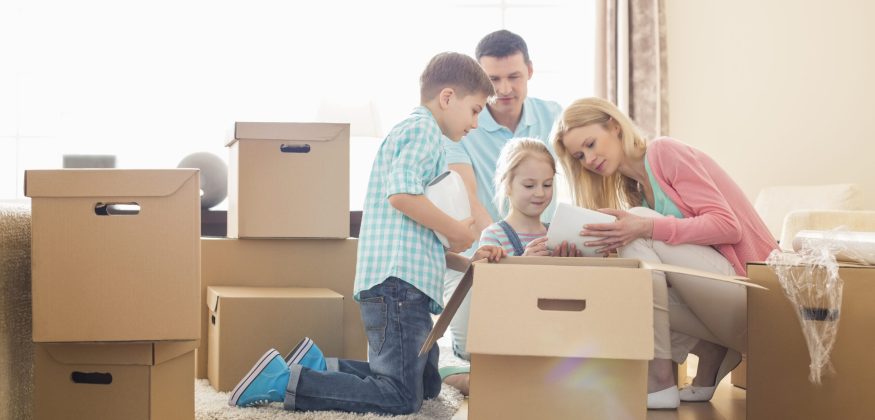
x=210, y=404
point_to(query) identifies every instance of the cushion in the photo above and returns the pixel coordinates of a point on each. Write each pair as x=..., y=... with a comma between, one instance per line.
x=774, y=203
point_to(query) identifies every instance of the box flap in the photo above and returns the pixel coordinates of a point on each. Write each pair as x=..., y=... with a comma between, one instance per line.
x=106, y=353
x=169, y=350
x=286, y=131
x=215, y=293
x=105, y=182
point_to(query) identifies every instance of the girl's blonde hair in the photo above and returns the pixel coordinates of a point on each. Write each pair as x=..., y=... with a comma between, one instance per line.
x=588, y=189
x=512, y=154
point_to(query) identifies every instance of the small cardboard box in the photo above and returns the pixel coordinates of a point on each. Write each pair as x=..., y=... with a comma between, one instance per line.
x=289, y=180
x=778, y=359
x=571, y=335
x=247, y=321
x=124, y=381
x=116, y=254
x=328, y=263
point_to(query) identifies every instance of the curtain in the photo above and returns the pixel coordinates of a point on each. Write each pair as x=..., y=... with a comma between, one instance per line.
x=631, y=61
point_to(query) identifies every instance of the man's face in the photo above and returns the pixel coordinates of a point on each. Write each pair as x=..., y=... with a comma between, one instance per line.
x=510, y=75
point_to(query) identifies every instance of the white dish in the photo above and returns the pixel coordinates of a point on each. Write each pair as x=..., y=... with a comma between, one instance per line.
x=449, y=194
x=567, y=223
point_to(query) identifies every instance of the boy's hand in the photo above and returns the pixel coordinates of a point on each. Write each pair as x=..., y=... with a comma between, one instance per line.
x=463, y=237
x=537, y=248
x=567, y=250
x=490, y=252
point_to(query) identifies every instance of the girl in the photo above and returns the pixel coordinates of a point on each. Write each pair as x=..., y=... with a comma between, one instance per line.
x=523, y=190
x=693, y=215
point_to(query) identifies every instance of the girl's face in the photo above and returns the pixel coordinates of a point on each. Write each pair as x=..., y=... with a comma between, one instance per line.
x=598, y=149
x=531, y=186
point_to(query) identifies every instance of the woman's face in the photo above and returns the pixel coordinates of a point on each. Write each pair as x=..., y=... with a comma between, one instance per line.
x=596, y=148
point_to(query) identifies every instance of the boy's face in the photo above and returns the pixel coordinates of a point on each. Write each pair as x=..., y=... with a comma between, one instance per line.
x=510, y=76
x=460, y=114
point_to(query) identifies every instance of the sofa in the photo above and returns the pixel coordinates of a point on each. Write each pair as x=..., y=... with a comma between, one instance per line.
x=16, y=348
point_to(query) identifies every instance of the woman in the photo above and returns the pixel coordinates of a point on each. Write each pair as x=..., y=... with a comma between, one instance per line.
x=683, y=210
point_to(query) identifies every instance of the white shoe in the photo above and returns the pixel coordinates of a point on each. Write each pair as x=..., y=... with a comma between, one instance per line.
x=667, y=399
x=704, y=393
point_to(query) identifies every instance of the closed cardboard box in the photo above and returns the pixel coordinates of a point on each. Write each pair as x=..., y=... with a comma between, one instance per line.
x=778, y=359
x=116, y=254
x=108, y=381
x=569, y=337
x=247, y=321
x=289, y=180
x=322, y=263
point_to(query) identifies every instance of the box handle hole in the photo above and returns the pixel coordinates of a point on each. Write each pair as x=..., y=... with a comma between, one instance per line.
x=96, y=378
x=116, y=209
x=295, y=148
x=566, y=305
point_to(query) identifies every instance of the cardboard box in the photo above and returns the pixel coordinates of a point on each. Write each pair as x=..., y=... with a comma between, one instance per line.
x=247, y=321
x=739, y=374
x=125, y=381
x=116, y=254
x=572, y=335
x=328, y=263
x=778, y=359
x=289, y=180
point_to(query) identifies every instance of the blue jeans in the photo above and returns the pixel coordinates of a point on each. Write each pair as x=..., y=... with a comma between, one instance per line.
x=394, y=381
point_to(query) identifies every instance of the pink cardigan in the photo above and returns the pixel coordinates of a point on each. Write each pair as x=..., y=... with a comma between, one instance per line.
x=716, y=211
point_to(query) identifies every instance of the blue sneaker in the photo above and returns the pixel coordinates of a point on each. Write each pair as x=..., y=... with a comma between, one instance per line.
x=265, y=383
x=306, y=354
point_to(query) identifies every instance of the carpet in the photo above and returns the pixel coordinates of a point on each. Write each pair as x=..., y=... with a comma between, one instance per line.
x=210, y=404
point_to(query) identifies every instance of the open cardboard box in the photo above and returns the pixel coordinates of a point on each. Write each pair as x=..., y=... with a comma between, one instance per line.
x=571, y=335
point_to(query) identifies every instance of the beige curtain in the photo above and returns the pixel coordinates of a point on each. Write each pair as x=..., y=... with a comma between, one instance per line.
x=631, y=68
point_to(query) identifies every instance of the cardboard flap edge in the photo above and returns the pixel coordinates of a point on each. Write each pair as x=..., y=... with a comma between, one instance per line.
x=743, y=281
x=327, y=132
x=106, y=182
x=443, y=321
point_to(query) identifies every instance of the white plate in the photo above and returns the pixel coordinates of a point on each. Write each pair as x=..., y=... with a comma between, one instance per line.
x=567, y=223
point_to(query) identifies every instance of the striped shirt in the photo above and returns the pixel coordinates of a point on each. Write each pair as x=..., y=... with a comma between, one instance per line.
x=390, y=243
x=494, y=235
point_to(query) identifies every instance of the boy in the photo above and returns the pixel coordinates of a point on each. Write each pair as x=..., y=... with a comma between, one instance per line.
x=400, y=268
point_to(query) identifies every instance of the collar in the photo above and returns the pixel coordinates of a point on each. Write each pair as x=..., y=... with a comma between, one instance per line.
x=488, y=123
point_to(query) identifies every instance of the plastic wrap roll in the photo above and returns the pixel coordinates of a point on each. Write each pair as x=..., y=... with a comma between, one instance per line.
x=858, y=247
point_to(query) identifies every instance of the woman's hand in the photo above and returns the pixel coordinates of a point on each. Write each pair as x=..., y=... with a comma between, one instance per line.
x=567, y=250
x=490, y=252
x=627, y=228
x=537, y=248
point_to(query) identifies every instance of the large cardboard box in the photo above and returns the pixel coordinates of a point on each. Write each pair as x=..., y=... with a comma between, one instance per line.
x=777, y=377
x=328, y=263
x=289, y=180
x=571, y=335
x=116, y=254
x=247, y=321
x=107, y=381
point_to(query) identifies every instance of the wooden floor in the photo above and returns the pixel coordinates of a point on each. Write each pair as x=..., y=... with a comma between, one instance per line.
x=729, y=403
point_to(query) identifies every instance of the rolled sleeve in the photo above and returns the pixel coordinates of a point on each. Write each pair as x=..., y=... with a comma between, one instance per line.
x=416, y=152
x=404, y=181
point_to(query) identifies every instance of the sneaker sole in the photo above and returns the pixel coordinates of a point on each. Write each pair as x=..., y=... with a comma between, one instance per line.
x=247, y=380
x=297, y=354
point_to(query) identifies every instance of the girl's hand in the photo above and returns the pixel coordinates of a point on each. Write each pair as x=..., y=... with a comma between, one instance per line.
x=627, y=228
x=537, y=248
x=490, y=252
x=567, y=250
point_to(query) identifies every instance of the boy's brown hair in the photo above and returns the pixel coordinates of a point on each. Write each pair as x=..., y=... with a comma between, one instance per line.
x=453, y=70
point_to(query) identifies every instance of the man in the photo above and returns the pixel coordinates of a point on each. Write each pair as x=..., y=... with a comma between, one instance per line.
x=505, y=58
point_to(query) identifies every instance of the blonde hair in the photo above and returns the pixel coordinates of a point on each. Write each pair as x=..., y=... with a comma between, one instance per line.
x=512, y=155
x=588, y=189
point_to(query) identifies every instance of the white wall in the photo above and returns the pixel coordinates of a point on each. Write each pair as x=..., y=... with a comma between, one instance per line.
x=779, y=92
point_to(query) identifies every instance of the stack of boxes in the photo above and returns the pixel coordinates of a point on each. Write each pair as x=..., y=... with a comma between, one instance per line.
x=116, y=277
x=287, y=268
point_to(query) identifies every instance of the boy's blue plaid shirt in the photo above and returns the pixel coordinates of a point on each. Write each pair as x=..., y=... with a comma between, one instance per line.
x=390, y=243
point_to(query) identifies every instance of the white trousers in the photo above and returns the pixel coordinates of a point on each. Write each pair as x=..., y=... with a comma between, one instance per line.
x=688, y=308
x=459, y=323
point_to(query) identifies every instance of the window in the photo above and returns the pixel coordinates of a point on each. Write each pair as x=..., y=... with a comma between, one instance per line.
x=151, y=82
